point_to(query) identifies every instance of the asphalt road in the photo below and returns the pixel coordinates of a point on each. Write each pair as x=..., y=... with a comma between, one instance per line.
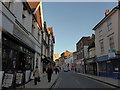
x=74, y=80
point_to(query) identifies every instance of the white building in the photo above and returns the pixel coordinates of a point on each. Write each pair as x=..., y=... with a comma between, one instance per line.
x=107, y=43
x=21, y=40
x=69, y=61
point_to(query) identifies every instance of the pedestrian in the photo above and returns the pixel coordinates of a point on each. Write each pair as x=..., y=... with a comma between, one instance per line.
x=56, y=70
x=49, y=73
x=36, y=75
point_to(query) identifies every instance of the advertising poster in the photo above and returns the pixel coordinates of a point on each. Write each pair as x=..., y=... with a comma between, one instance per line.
x=19, y=78
x=7, y=81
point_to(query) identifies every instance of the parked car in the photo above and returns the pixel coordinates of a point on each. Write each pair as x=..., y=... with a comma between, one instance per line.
x=66, y=70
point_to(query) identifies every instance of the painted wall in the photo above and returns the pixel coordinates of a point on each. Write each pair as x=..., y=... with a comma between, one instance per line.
x=106, y=34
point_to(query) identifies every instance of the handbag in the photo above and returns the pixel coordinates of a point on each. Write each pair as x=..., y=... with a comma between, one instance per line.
x=38, y=79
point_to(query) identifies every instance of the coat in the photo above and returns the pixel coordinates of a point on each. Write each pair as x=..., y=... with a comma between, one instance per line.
x=36, y=73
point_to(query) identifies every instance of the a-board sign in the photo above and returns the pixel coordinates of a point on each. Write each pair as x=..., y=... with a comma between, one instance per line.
x=7, y=80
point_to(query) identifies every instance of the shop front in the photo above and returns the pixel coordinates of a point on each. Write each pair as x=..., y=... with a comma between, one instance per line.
x=109, y=67
x=17, y=61
x=91, y=67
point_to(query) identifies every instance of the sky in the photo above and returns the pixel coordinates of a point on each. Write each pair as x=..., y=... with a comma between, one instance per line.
x=73, y=20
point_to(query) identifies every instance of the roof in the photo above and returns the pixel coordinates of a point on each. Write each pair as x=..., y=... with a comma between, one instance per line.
x=107, y=16
x=50, y=31
x=34, y=4
x=83, y=38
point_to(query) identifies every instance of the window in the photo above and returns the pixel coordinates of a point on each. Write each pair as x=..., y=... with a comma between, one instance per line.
x=100, y=32
x=111, y=43
x=33, y=26
x=109, y=24
x=102, y=46
x=38, y=34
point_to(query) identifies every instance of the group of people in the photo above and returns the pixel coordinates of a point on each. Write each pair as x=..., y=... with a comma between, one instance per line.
x=49, y=72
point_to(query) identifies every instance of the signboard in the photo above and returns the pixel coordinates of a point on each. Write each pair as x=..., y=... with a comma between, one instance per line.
x=7, y=81
x=112, y=53
x=19, y=77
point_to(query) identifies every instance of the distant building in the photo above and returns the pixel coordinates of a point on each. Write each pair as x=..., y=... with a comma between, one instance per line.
x=74, y=60
x=82, y=53
x=107, y=43
x=91, y=66
x=63, y=57
x=56, y=56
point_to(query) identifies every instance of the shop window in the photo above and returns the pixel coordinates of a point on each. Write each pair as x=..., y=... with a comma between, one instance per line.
x=109, y=66
x=9, y=58
x=4, y=57
x=116, y=66
x=102, y=66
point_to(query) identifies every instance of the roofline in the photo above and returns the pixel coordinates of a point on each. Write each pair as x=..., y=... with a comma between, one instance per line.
x=82, y=38
x=112, y=11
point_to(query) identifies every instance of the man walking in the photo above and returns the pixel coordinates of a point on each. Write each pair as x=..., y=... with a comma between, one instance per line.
x=49, y=73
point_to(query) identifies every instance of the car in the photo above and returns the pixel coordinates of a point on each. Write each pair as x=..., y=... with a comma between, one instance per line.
x=66, y=70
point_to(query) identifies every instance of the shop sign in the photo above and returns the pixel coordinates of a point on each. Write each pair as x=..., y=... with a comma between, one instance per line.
x=19, y=78
x=7, y=81
x=112, y=53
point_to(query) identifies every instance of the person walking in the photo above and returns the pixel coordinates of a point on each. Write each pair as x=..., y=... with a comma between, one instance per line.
x=36, y=75
x=49, y=73
x=56, y=70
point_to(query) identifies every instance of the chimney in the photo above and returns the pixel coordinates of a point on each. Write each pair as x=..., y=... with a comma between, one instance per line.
x=107, y=12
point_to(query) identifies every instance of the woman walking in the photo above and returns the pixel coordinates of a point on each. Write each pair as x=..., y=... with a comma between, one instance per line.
x=36, y=76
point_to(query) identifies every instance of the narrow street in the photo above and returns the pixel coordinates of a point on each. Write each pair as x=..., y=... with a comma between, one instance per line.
x=74, y=80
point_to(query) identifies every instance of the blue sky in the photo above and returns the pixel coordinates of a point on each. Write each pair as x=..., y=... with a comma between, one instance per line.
x=73, y=20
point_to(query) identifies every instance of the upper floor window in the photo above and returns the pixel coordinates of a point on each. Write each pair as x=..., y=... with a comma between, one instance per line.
x=111, y=43
x=33, y=26
x=109, y=24
x=102, y=46
x=100, y=32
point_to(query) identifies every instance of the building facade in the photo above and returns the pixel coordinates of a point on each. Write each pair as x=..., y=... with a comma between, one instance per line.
x=107, y=43
x=82, y=53
x=21, y=40
x=91, y=66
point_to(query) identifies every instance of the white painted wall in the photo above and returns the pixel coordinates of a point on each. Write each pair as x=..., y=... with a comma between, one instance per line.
x=106, y=34
x=18, y=9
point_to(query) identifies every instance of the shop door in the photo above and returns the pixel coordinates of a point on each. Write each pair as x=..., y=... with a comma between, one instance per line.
x=21, y=61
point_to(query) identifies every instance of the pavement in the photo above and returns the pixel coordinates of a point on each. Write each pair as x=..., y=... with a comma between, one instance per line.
x=110, y=81
x=43, y=83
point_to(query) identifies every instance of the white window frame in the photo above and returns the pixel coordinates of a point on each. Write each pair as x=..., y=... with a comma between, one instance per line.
x=111, y=42
x=109, y=24
x=102, y=46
